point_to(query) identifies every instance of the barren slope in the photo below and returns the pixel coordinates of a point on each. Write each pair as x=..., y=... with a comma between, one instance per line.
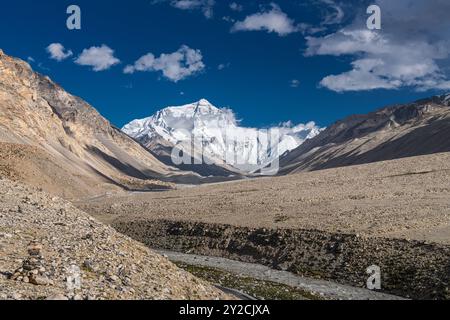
x=419, y=128
x=43, y=238
x=89, y=154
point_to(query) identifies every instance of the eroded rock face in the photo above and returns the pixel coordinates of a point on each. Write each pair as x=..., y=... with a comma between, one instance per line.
x=51, y=250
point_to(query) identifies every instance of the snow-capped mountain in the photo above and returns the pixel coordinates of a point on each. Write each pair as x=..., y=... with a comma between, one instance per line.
x=212, y=136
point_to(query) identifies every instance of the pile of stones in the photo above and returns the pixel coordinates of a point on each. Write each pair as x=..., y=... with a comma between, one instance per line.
x=33, y=269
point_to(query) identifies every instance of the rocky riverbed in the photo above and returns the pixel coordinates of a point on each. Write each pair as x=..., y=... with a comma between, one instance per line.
x=265, y=283
x=411, y=269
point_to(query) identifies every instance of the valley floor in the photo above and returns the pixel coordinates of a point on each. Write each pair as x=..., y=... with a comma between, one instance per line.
x=406, y=199
x=331, y=224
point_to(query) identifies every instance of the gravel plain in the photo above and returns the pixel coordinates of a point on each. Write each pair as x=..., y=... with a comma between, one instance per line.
x=406, y=198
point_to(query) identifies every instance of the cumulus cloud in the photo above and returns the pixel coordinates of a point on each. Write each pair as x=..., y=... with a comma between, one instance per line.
x=273, y=20
x=99, y=58
x=205, y=6
x=58, y=52
x=301, y=131
x=174, y=66
x=409, y=51
x=236, y=6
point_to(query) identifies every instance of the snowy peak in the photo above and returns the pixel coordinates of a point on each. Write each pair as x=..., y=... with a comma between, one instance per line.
x=217, y=137
x=203, y=106
x=192, y=110
x=169, y=122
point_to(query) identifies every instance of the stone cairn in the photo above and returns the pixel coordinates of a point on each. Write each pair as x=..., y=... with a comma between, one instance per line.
x=32, y=269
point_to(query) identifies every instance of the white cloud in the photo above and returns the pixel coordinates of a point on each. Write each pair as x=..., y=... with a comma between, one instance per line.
x=301, y=131
x=294, y=83
x=223, y=66
x=228, y=19
x=409, y=51
x=273, y=20
x=381, y=64
x=205, y=6
x=362, y=77
x=334, y=15
x=174, y=66
x=236, y=6
x=99, y=58
x=58, y=52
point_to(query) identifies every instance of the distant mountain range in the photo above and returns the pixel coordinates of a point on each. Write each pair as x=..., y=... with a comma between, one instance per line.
x=406, y=130
x=213, y=139
x=418, y=128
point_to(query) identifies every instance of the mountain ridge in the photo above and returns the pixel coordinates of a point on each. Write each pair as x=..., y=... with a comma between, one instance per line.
x=87, y=154
x=397, y=131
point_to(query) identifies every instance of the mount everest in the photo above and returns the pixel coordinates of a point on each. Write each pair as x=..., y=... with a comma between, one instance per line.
x=211, y=140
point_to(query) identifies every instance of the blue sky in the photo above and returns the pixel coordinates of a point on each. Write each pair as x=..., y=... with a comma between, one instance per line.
x=271, y=62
